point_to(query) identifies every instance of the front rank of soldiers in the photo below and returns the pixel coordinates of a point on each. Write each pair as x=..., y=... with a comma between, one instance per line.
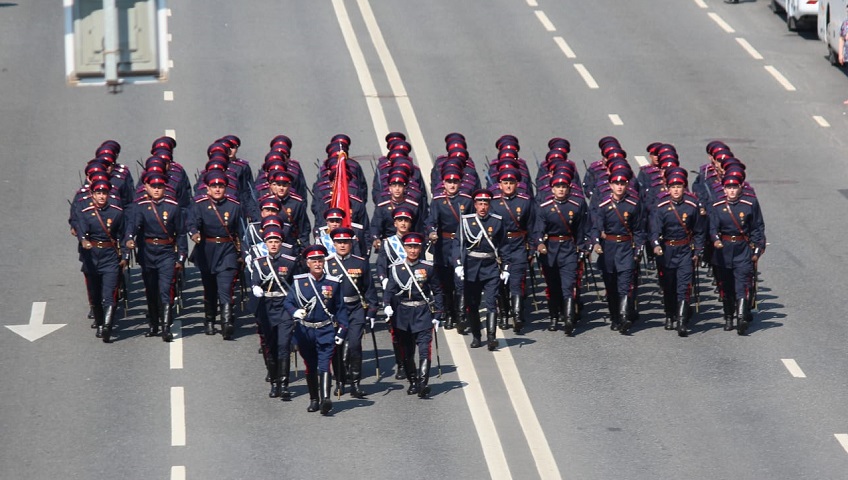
x=312, y=290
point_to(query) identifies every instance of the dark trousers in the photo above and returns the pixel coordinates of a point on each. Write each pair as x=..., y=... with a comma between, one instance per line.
x=316, y=347
x=218, y=287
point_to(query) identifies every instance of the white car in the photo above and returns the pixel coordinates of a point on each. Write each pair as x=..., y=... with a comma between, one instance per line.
x=797, y=11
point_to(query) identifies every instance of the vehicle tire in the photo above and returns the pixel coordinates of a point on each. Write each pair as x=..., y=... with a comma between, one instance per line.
x=832, y=56
x=791, y=22
x=774, y=6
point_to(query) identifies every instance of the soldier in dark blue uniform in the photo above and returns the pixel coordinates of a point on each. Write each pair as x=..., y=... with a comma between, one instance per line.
x=360, y=297
x=99, y=228
x=558, y=237
x=293, y=208
x=414, y=304
x=446, y=211
x=738, y=235
x=214, y=224
x=517, y=211
x=158, y=225
x=317, y=305
x=618, y=235
x=390, y=253
x=477, y=262
x=382, y=222
x=271, y=282
x=677, y=234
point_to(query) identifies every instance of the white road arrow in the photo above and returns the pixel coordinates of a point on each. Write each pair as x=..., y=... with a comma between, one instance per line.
x=36, y=328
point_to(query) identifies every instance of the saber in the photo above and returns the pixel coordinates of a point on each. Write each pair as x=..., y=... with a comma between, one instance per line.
x=588, y=268
x=438, y=360
x=533, y=284
x=697, y=285
x=376, y=355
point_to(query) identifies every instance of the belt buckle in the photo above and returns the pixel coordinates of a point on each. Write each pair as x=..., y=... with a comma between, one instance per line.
x=155, y=241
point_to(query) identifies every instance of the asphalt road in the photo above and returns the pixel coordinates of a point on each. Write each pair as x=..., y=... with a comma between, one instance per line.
x=595, y=406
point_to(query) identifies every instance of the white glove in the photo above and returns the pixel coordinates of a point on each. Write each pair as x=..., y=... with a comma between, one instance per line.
x=436, y=325
x=257, y=291
x=385, y=283
x=299, y=314
x=339, y=340
x=373, y=322
x=504, y=276
x=389, y=311
x=460, y=273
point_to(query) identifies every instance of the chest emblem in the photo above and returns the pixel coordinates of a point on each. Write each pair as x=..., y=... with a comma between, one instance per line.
x=421, y=275
x=327, y=291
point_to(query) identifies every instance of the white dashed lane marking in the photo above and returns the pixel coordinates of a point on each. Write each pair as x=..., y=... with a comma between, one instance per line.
x=178, y=472
x=721, y=23
x=587, y=77
x=615, y=119
x=821, y=121
x=748, y=48
x=178, y=427
x=169, y=96
x=700, y=3
x=793, y=367
x=176, y=346
x=842, y=438
x=780, y=78
x=569, y=53
x=532, y=3
x=549, y=26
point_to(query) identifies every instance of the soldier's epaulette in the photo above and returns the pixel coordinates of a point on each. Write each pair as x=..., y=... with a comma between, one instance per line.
x=412, y=202
x=597, y=164
x=630, y=200
x=170, y=200
x=295, y=196
x=663, y=203
x=440, y=195
x=663, y=194
x=118, y=175
x=463, y=194
x=547, y=202
x=746, y=202
x=715, y=204
x=469, y=215
x=496, y=216
x=687, y=193
x=605, y=201
x=231, y=198
x=523, y=195
x=354, y=197
x=649, y=168
x=426, y=262
x=690, y=202
x=177, y=166
x=119, y=208
x=301, y=276
x=334, y=279
x=384, y=203
x=288, y=257
x=574, y=202
x=200, y=198
x=358, y=257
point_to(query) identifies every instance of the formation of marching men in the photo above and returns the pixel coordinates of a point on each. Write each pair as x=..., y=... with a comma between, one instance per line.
x=314, y=286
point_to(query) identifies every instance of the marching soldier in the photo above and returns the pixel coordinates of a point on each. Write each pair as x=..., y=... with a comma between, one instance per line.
x=293, y=208
x=392, y=252
x=618, y=235
x=516, y=210
x=478, y=265
x=98, y=228
x=157, y=223
x=271, y=282
x=558, y=235
x=381, y=223
x=738, y=235
x=360, y=298
x=317, y=305
x=446, y=211
x=413, y=302
x=677, y=234
x=214, y=225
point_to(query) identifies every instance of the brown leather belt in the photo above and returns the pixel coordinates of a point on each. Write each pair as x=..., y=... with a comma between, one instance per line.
x=99, y=244
x=518, y=234
x=219, y=239
x=560, y=238
x=616, y=238
x=159, y=241
x=448, y=235
x=734, y=238
x=678, y=243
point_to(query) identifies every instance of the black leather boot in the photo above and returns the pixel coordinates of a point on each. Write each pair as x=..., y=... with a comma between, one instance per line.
x=91, y=315
x=210, y=311
x=742, y=308
x=423, y=378
x=312, y=384
x=727, y=305
x=412, y=376
x=474, y=321
x=167, y=322
x=152, y=316
x=228, y=328
x=400, y=373
x=569, y=316
x=283, y=369
x=340, y=369
x=626, y=322
x=450, y=311
x=326, y=389
x=517, y=313
x=461, y=314
x=615, y=317
x=98, y=320
x=108, y=318
x=276, y=381
x=355, y=374
x=683, y=315
x=491, y=328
